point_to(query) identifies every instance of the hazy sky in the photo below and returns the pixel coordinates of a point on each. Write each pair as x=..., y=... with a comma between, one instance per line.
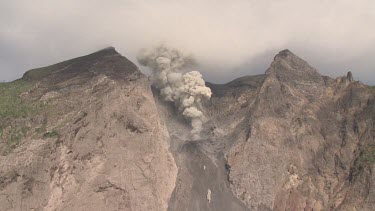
x=228, y=38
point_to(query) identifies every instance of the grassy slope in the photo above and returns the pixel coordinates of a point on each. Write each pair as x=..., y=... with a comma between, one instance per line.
x=15, y=111
x=11, y=103
x=39, y=73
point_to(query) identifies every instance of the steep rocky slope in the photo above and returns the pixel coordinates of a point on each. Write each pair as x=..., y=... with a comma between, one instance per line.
x=91, y=134
x=92, y=140
x=296, y=140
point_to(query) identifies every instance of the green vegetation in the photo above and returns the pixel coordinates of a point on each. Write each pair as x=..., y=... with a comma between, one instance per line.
x=11, y=103
x=16, y=136
x=14, y=109
x=51, y=134
x=40, y=130
x=368, y=154
x=37, y=74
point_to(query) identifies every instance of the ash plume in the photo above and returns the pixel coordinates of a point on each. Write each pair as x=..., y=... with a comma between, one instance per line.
x=185, y=88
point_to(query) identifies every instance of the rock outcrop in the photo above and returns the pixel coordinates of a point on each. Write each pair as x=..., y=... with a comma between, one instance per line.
x=96, y=143
x=92, y=134
x=300, y=141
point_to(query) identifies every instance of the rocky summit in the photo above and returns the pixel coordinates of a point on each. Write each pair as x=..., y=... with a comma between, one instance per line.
x=92, y=133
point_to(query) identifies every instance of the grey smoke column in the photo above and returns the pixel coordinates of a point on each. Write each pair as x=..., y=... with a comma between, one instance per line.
x=187, y=90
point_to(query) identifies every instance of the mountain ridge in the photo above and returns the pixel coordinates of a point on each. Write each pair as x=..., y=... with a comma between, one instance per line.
x=108, y=54
x=283, y=55
x=92, y=133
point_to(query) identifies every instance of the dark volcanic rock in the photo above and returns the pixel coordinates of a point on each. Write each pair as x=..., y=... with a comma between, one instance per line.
x=107, y=61
x=349, y=76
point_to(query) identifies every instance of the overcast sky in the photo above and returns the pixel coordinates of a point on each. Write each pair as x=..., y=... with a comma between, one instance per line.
x=228, y=38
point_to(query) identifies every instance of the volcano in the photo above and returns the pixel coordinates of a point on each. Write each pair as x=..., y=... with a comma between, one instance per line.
x=92, y=133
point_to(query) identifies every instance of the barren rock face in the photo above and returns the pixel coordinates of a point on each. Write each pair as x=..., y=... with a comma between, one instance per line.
x=106, y=150
x=304, y=139
x=92, y=134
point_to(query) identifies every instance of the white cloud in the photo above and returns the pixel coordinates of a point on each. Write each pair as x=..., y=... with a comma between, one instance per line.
x=228, y=38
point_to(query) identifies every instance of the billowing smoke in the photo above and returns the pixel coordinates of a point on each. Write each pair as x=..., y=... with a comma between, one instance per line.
x=170, y=76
